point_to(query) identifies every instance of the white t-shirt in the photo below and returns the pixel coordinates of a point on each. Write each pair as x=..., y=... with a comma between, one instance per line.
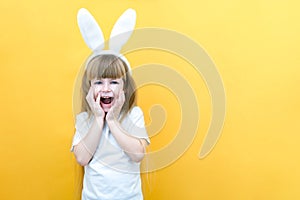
x=111, y=175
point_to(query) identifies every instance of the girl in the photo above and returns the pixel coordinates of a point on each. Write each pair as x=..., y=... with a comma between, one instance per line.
x=110, y=136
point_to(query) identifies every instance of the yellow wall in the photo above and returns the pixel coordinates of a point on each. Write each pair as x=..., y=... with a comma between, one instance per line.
x=255, y=45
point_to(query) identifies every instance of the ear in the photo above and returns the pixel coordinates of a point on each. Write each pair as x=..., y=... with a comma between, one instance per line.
x=122, y=30
x=90, y=30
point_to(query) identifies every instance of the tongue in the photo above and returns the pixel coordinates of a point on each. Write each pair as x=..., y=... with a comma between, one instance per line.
x=106, y=100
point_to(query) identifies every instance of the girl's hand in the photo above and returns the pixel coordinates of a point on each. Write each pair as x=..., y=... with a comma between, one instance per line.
x=95, y=104
x=115, y=110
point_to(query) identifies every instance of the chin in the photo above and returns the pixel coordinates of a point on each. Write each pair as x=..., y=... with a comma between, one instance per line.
x=106, y=109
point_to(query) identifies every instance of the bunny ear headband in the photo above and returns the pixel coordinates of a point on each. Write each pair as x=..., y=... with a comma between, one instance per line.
x=93, y=36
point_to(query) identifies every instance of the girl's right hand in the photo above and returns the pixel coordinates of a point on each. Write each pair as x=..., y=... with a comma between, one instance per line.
x=95, y=104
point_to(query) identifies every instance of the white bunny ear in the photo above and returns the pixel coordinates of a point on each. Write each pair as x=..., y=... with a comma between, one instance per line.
x=90, y=30
x=122, y=29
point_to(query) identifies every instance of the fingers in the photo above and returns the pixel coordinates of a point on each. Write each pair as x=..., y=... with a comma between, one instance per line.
x=120, y=100
x=89, y=96
x=98, y=99
x=115, y=110
x=94, y=103
x=122, y=97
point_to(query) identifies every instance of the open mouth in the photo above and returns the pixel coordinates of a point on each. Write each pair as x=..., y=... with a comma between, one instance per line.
x=106, y=100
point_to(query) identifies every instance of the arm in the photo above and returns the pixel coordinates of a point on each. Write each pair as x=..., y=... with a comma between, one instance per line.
x=132, y=146
x=86, y=148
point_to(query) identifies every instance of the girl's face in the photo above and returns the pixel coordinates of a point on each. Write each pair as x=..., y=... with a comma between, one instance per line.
x=108, y=89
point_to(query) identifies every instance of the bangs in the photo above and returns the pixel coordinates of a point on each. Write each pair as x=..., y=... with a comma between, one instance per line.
x=106, y=66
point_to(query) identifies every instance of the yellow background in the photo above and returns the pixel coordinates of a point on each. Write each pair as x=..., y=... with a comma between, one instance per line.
x=255, y=45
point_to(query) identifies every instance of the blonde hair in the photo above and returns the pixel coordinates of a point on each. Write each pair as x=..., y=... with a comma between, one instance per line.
x=108, y=66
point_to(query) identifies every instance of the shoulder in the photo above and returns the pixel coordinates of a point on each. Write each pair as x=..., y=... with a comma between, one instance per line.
x=136, y=111
x=136, y=116
x=82, y=122
x=82, y=117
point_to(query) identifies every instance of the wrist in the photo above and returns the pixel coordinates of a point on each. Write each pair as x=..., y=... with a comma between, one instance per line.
x=99, y=119
x=112, y=123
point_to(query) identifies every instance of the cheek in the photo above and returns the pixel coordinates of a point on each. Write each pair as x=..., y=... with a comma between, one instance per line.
x=121, y=86
x=117, y=89
x=96, y=90
x=114, y=90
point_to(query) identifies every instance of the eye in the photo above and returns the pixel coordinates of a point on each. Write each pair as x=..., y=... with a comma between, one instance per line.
x=114, y=82
x=97, y=82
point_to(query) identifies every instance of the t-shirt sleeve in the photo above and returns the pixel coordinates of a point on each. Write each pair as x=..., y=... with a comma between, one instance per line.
x=81, y=128
x=135, y=124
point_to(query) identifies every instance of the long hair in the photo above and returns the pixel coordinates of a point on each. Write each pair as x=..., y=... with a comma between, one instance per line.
x=108, y=66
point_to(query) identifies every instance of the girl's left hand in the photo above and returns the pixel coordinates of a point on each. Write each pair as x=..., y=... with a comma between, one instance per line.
x=114, y=111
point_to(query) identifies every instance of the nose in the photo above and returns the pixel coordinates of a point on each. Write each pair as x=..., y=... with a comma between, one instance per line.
x=106, y=87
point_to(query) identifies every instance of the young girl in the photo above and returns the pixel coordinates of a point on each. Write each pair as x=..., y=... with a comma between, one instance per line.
x=110, y=136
